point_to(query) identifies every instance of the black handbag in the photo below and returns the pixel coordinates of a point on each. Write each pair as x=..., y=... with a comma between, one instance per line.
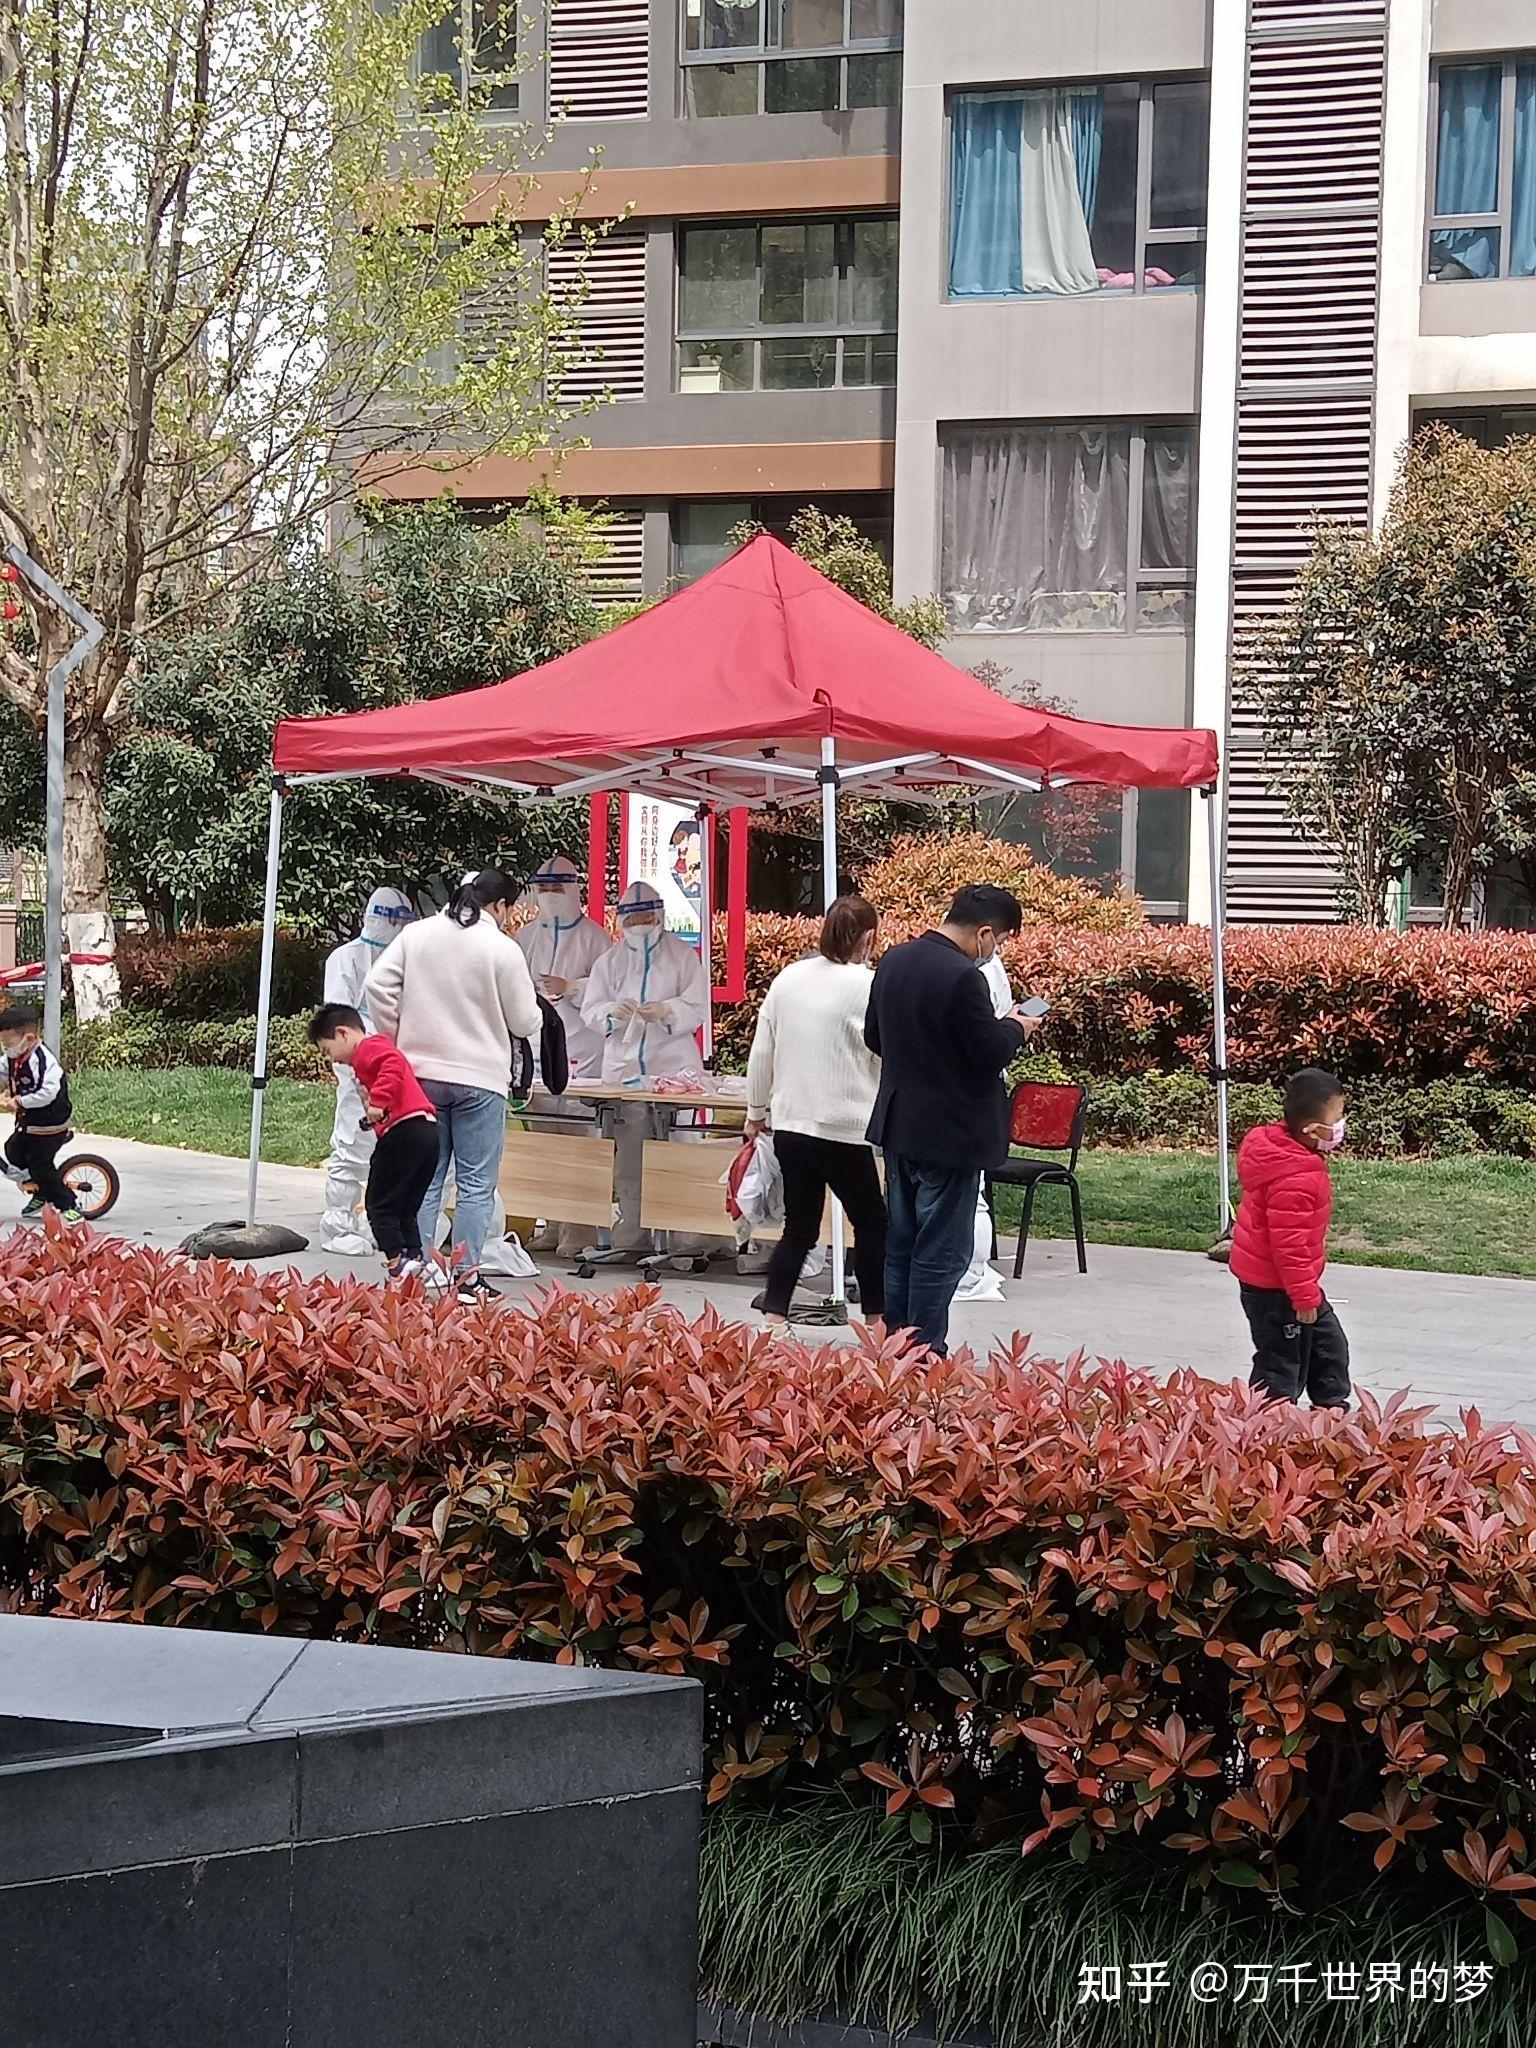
x=554, y=1060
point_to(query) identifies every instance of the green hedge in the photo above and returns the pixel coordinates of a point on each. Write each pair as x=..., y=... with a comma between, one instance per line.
x=145, y=1038
x=1387, y=1119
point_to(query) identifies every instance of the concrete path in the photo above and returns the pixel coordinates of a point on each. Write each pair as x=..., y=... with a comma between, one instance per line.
x=1456, y=1342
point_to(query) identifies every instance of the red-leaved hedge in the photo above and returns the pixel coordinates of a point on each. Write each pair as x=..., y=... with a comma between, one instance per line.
x=1028, y=1597
x=1418, y=1007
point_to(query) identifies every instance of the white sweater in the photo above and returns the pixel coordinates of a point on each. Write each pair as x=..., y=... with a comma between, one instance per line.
x=810, y=1070
x=453, y=997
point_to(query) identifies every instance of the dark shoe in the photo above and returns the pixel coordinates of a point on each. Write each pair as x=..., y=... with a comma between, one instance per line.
x=475, y=1291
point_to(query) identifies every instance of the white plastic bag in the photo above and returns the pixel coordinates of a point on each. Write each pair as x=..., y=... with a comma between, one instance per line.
x=759, y=1191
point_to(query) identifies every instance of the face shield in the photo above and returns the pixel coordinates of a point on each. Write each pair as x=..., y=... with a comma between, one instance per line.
x=557, y=893
x=389, y=912
x=640, y=917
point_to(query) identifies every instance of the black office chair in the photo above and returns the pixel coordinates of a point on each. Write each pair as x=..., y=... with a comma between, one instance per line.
x=1046, y=1117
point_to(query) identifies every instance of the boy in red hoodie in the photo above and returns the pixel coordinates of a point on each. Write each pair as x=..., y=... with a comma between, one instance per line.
x=1280, y=1246
x=395, y=1104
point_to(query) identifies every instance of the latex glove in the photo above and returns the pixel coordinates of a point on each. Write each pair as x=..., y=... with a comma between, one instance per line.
x=624, y=1011
x=554, y=986
x=655, y=1013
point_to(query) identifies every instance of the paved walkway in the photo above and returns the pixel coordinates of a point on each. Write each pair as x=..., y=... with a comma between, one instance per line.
x=1454, y=1341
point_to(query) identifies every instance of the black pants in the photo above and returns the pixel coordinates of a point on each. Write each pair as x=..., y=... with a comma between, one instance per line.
x=1292, y=1358
x=810, y=1166
x=37, y=1157
x=931, y=1241
x=399, y=1174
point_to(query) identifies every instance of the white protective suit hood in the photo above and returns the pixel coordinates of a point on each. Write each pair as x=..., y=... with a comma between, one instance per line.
x=557, y=893
x=388, y=913
x=640, y=900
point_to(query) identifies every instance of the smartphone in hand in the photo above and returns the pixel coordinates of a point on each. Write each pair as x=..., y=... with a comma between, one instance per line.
x=1036, y=1006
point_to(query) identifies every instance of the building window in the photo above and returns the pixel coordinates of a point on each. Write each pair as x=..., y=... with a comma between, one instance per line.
x=787, y=305
x=469, y=55
x=1484, y=219
x=702, y=527
x=1078, y=188
x=790, y=56
x=1488, y=428
x=1082, y=527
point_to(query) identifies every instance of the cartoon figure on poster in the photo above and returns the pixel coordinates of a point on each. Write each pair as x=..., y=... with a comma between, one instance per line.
x=664, y=847
x=688, y=867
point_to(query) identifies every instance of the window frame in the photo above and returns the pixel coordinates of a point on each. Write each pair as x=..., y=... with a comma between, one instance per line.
x=1458, y=418
x=469, y=76
x=1147, y=236
x=1137, y=573
x=757, y=332
x=765, y=51
x=1503, y=218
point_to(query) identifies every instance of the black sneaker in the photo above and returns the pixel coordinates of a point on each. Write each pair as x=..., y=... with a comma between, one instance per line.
x=475, y=1291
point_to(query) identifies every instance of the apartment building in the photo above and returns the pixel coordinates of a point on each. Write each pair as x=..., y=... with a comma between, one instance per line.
x=1082, y=307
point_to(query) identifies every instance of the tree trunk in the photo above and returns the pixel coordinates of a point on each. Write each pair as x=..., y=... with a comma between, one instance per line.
x=87, y=901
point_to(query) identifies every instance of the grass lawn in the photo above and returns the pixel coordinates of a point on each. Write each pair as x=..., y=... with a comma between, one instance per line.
x=1472, y=1215
x=205, y=1109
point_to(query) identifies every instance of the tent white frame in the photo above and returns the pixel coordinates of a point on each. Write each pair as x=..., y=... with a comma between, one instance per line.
x=727, y=781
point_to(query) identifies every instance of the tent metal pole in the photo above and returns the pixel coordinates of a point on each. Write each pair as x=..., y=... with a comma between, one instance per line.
x=1219, y=1006
x=264, y=993
x=829, y=780
x=706, y=921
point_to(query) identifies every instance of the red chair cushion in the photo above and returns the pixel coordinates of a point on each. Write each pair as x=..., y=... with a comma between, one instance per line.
x=1043, y=1115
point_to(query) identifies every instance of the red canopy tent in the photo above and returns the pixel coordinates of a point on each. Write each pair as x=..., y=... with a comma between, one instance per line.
x=760, y=684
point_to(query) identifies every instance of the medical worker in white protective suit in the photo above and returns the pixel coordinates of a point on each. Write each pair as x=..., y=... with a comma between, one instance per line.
x=646, y=997
x=342, y=1227
x=982, y=1281
x=562, y=946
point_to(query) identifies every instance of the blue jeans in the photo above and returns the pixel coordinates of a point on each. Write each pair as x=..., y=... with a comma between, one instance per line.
x=471, y=1129
x=928, y=1245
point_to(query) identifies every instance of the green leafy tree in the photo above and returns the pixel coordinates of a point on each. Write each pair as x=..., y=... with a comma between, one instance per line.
x=1337, y=717
x=439, y=606
x=235, y=268
x=1398, y=688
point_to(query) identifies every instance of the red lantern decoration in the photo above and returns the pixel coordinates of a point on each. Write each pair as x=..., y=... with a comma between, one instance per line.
x=9, y=573
x=10, y=610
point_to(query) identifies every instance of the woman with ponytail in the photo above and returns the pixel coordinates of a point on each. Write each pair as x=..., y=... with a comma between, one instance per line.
x=453, y=1001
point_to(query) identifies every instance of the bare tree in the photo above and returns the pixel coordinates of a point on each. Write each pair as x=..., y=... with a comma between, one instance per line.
x=236, y=281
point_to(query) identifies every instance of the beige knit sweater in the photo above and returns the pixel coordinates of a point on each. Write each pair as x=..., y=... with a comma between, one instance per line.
x=810, y=1070
x=453, y=997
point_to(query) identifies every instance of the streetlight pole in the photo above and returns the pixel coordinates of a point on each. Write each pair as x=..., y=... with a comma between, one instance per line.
x=91, y=634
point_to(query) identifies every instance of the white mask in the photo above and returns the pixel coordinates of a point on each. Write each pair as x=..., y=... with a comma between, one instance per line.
x=1335, y=1137
x=640, y=937
x=557, y=906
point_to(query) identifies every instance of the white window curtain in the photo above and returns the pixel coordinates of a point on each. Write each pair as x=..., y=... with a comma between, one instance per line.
x=1036, y=524
x=1058, y=254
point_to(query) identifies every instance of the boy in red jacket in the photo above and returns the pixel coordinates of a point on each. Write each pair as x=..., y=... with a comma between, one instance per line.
x=405, y=1157
x=1280, y=1246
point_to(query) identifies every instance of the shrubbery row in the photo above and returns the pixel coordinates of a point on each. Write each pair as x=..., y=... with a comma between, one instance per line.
x=146, y=1038
x=1387, y=1119
x=1014, y=1599
x=1414, y=1007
